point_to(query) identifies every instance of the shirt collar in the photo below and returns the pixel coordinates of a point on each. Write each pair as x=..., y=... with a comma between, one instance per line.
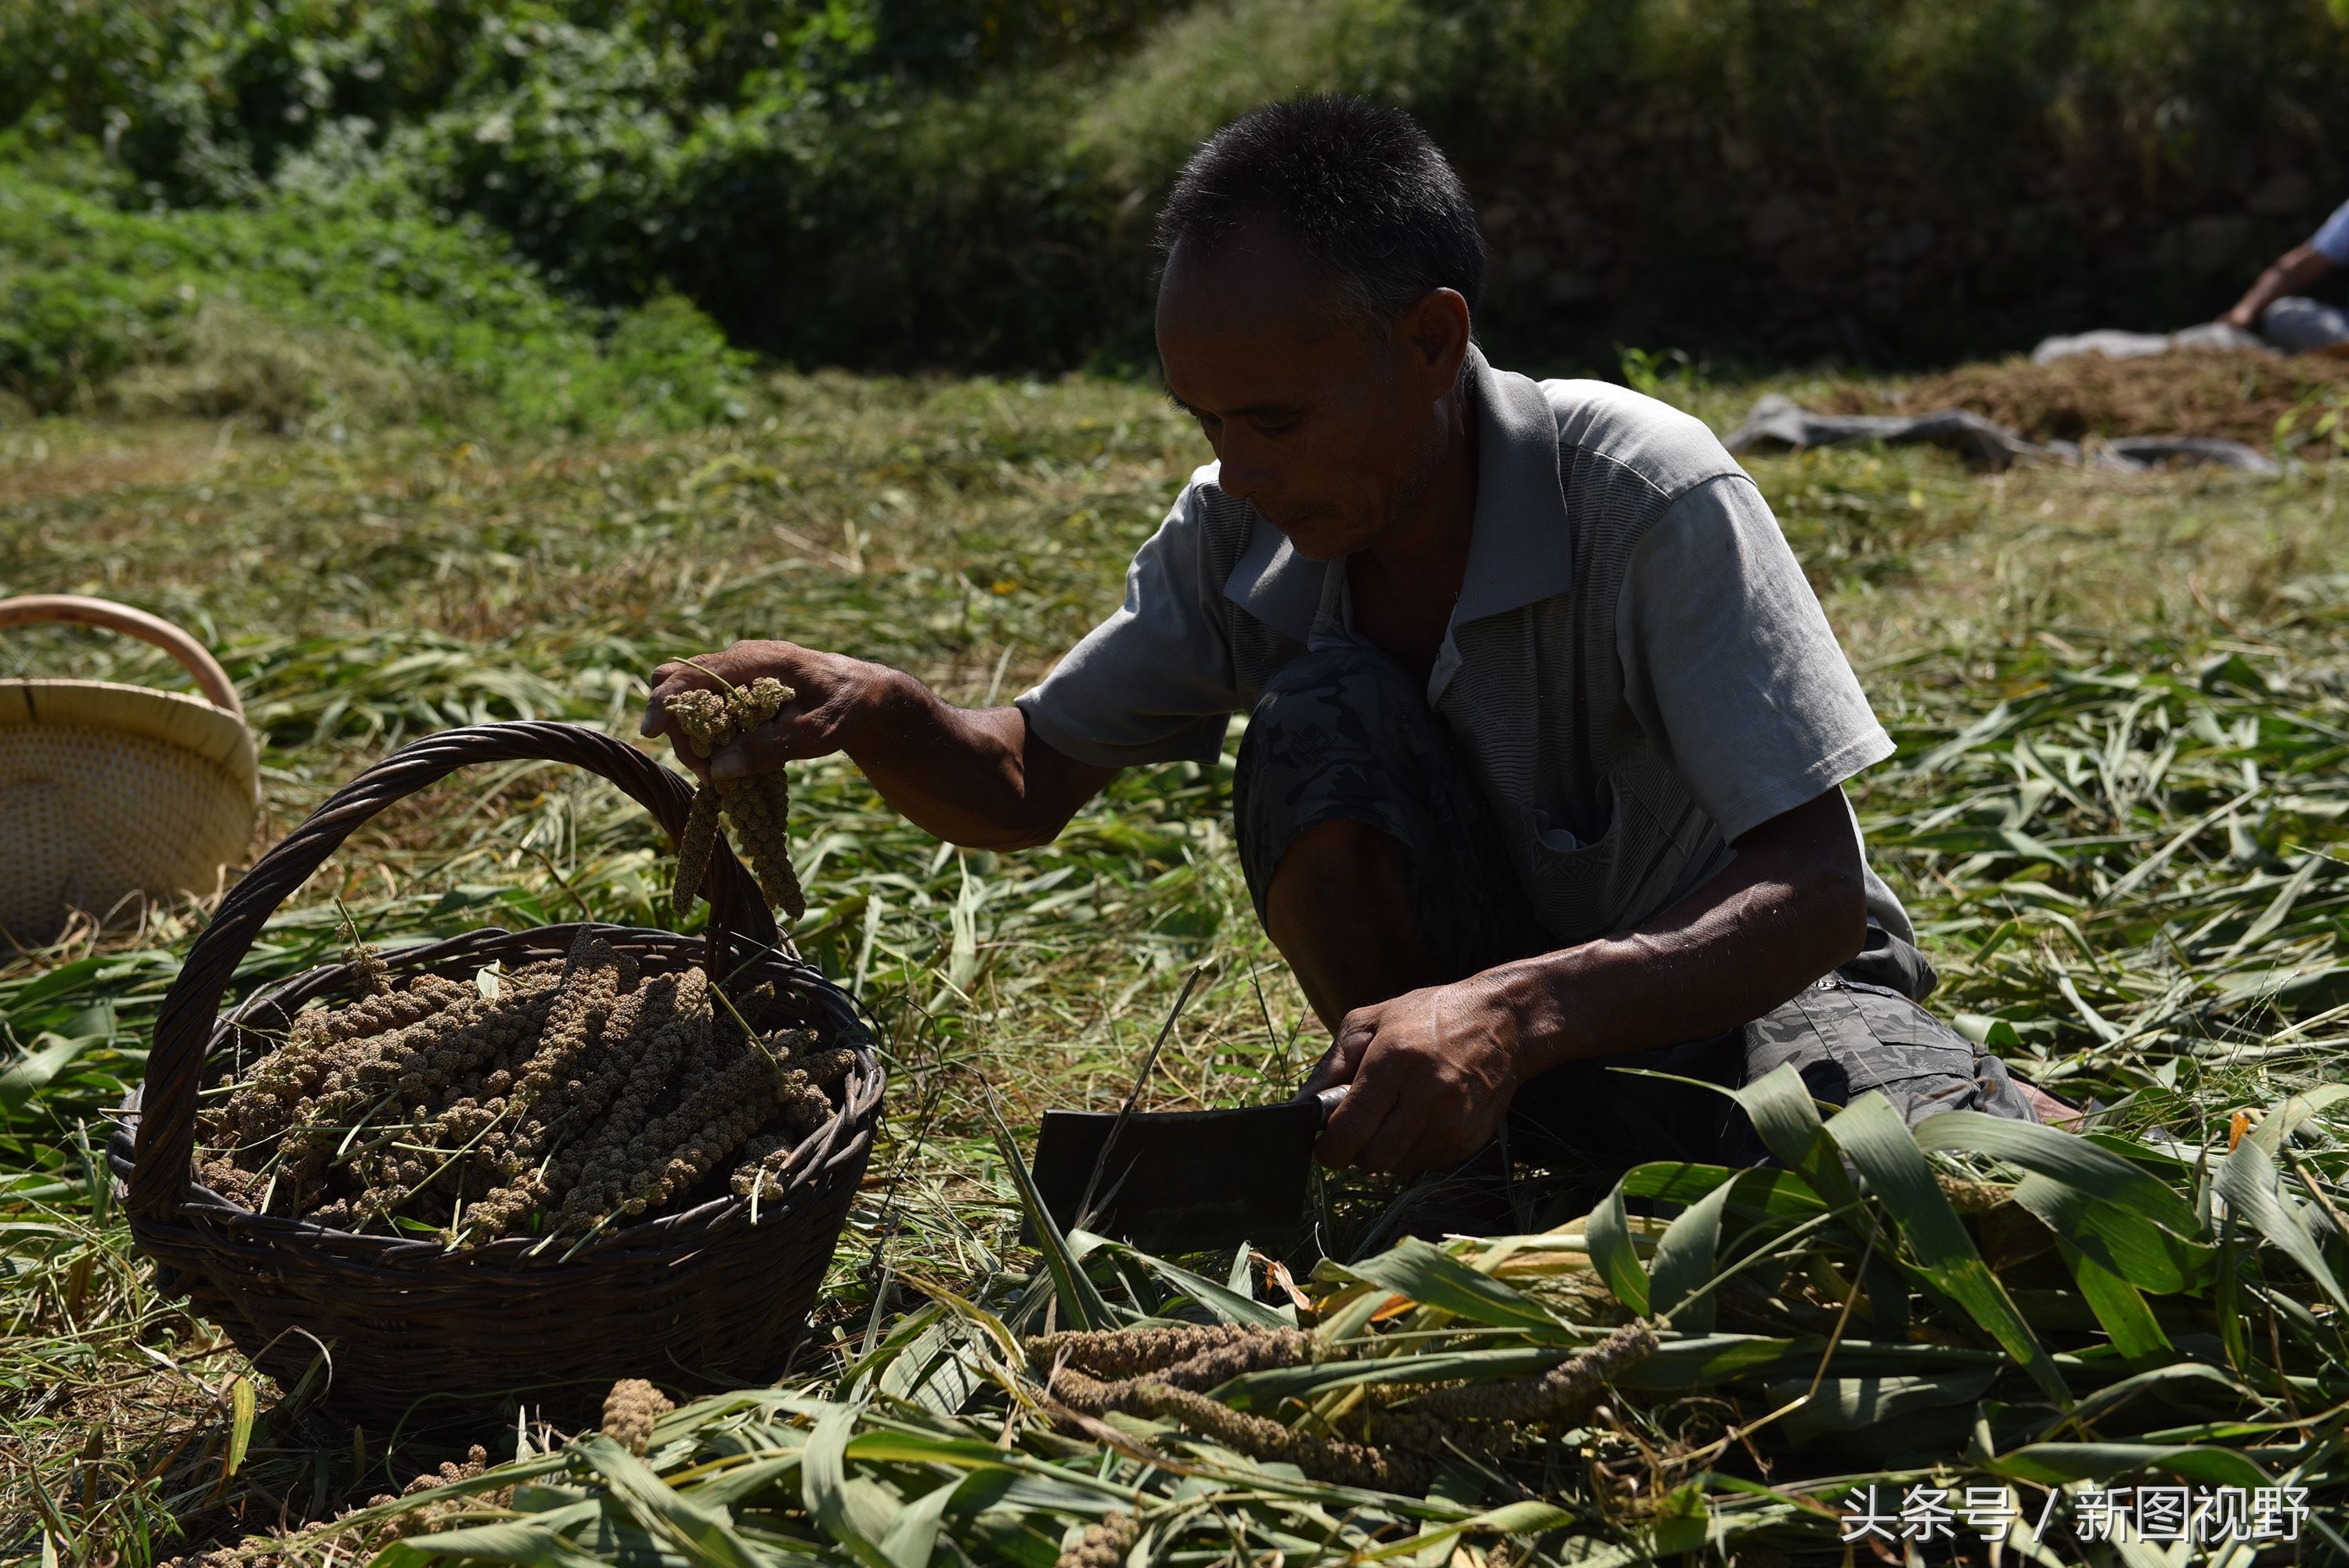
x=1520, y=548
x=1521, y=551
x=1274, y=583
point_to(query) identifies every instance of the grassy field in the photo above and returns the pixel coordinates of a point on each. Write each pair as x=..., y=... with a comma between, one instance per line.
x=2122, y=712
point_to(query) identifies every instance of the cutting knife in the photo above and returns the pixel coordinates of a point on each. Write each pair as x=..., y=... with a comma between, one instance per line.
x=1183, y=1181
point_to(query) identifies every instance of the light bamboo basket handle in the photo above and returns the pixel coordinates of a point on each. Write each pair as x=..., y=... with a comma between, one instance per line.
x=194, y=657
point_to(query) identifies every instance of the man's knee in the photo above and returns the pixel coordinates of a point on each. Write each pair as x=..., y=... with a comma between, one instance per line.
x=2297, y=324
x=1342, y=697
x=1335, y=868
x=1338, y=751
x=1338, y=910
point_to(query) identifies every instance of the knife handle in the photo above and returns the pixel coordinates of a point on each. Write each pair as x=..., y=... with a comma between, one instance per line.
x=1330, y=1099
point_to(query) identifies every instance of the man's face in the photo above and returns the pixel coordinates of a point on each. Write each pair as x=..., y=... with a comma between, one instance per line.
x=1329, y=427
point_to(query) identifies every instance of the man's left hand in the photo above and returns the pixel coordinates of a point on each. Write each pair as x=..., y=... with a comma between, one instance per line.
x=1432, y=1073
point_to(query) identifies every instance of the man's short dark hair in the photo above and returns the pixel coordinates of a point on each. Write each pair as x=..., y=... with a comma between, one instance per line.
x=1357, y=184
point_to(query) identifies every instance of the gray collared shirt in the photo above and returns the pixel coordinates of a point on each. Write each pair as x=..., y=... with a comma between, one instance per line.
x=1729, y=671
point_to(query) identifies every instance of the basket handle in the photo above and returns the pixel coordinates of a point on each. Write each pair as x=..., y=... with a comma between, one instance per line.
x=193, y=657
x=183, y=1029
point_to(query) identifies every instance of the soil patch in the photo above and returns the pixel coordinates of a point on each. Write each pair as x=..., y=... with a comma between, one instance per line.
x=2237, y=397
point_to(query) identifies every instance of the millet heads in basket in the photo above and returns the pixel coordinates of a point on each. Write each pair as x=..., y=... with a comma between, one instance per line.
x=553, y=1100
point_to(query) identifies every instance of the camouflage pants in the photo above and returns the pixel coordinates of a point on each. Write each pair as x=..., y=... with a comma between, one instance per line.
x=1343, y=734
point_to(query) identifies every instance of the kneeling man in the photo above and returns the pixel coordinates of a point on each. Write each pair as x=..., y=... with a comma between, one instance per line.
x=1546, y=732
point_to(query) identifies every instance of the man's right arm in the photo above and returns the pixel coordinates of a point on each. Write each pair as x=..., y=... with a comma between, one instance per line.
x=2293, y=272
x=1152, y=683
x=980, y=778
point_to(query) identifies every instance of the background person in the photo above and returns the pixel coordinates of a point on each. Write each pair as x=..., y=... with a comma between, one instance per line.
x=1546, y=730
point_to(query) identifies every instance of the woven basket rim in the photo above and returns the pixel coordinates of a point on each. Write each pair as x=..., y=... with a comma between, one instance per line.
x=837, y=1141
x=166, y=718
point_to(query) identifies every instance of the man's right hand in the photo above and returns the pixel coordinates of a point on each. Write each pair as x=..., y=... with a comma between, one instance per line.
x=973, y=777
x=833, y=697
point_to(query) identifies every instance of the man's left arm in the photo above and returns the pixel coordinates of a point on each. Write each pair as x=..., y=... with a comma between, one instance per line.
x=1433, y=1070
x=1732, y=670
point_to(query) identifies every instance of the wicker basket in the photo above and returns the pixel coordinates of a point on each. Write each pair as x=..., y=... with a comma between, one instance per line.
x=705, y=1299
x=113, y=793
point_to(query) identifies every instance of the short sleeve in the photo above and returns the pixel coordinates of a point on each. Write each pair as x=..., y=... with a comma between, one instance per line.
x=1730, y=664
x=1152, y=683
x=2331, y=241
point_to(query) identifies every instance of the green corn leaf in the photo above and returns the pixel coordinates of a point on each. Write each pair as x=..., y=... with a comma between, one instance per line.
x=1261, y=1390
x=1858, y=1404
x=1703, y=1360
x=1225, y=1304
x=1510, y=1519
x=2097, y=1173
x=2118, y=1304
x=1082, y=1304
x=35, y=1069
x=1608, y=1237
x=2227, y=1296
x=2282, y=1120
x=702, y=1531
x=915, y=1533
x=2122, y=1243
x=824, y=1487
x=532, y=1543
x=901, y=1339
x=1684, y=1261
x=242, y=1406
x=2254, y=1191
x=2050, y=1464
x=745, y=1481
x=1787, y=1119
x=1353, y=1317
x=991, y=1328
x=64, y=980
x=2177, y=1383
x=1433, y=1278
x=1886, y=1284
x=1879, y=1143
x=1782, y=1194
x=932, y=1372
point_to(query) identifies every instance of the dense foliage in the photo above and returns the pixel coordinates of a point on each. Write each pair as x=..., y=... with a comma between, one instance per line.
x=968, y=182
x=295, y=311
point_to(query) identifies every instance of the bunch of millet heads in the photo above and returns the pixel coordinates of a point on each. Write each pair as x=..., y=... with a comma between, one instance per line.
x=758, y=806
x=554, y=1100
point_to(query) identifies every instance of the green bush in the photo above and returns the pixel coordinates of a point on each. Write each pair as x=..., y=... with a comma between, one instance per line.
x=383, y=296
x=1938, y=179
x=970, y=182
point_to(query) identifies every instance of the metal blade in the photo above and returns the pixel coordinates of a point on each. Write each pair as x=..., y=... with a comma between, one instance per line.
x=1183, y=1180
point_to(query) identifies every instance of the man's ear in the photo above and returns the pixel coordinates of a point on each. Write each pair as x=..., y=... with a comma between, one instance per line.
x=1434, y=332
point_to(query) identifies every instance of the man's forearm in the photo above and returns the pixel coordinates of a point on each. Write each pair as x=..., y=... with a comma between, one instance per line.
x=978, y=777
x=1434, y=1069
x=971, y=776
x=1733, y=950
x=2294, y=270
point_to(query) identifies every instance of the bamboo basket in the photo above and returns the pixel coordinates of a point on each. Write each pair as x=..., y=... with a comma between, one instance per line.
x=113, y=793
x=709, y=1298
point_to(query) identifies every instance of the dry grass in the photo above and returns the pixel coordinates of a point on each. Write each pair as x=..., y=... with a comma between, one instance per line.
x=2240, y=397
